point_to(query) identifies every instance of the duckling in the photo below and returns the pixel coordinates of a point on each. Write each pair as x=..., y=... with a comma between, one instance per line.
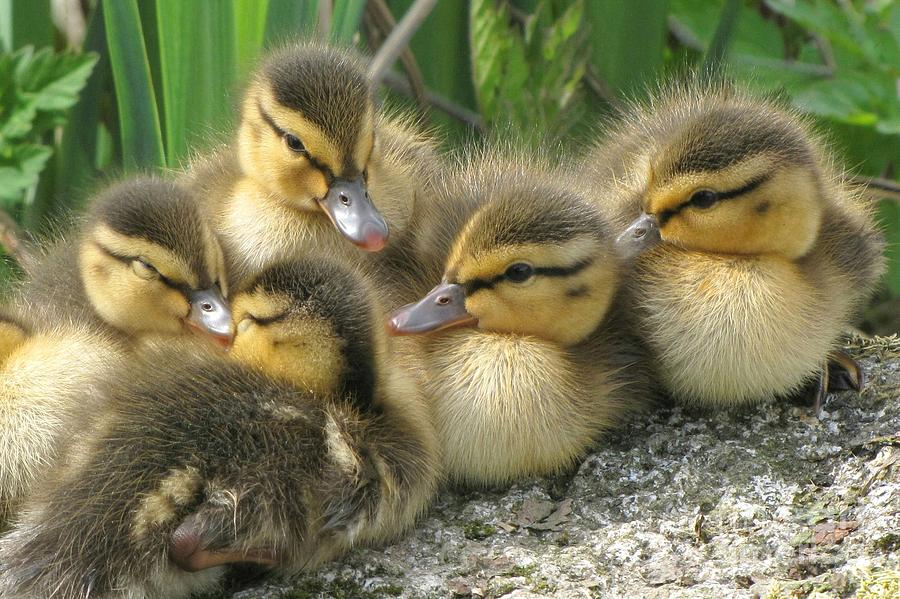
x=236, y=460
x=522, y=364
x=145, y=262
x=315, y=164
x=46, y=381
x=752, y=253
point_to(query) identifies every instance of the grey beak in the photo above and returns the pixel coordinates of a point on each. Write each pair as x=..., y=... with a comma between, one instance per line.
x=442, y=308
x=210, y=314
x=641, y=235
x=352, y=212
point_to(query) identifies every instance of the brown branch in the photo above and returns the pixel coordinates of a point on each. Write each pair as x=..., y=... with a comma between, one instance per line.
x=451, y=108
x=380, y=18
x=399, y=38
x=877, y=188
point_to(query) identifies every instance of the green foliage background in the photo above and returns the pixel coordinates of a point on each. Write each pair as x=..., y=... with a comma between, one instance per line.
x=159, y=79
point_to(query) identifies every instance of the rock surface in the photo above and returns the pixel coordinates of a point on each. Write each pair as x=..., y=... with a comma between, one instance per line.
x=770, y=502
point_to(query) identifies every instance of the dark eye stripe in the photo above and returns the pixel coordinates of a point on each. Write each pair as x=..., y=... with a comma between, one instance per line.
x=181, y=287
x=665, y=215
x=545, y=271
x=268, y=319
x=329, y=175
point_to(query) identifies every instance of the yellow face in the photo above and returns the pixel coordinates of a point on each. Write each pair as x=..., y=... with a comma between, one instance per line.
x=297, y=347
x=140, y=287
x=289, y=156
x=756, y=206
x=559, y=292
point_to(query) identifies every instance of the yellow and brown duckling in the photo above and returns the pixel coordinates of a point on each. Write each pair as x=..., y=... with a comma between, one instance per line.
x=46, y=384
x=521, y=362
x=145, y=262
x=315, y=164
x=220, y=462
x=754, y=255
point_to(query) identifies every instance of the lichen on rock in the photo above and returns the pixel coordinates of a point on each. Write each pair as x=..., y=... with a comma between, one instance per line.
x=768, y=502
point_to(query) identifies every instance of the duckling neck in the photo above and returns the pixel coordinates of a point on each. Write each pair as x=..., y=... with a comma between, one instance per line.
x=250, y=216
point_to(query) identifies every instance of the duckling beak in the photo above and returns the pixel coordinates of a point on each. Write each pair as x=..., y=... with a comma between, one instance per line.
x=350, y=209
x=442, y=308
x=211, y=315
x=641, y=235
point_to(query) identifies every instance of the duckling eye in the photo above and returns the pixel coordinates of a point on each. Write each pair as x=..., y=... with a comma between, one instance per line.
x=519, y=272
x=704, y=198
x=293, y=143
x=144, y=269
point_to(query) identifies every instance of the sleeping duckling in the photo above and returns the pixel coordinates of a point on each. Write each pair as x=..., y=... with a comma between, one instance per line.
x=521, y=348
x=219, y=462
x=766, y=253
x=145, y=263
x=315, y=164
x=46, y=382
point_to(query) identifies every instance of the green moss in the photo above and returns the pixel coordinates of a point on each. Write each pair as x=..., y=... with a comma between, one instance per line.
x=477, y=531
x=522, y=570
x=339, y=588
x=889, y=543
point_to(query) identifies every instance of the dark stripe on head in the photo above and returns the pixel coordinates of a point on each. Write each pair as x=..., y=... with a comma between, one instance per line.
x=328, y=86
x=321, y=166
x=718, y=139
x=476, y=285
x=666, y=215
x=160, y=212
x=127, y=260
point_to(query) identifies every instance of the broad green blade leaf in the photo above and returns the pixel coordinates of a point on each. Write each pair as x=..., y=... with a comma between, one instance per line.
x=6, y=25
x=76, y=157
x=718, y=48
x=31, y=23
x=627, y=41
x=139, y=121
x=290, y=19
x=197, y=62
x=345, y=19
x=249, y=30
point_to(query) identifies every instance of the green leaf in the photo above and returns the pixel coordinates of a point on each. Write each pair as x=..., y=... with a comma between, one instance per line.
x=138, y=118
x=345, y=18
x=197, y=61
x=249, y=30
x=20, y=167
x=54, y=80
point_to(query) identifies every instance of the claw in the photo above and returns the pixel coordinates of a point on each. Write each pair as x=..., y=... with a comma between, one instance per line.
x=844, y=372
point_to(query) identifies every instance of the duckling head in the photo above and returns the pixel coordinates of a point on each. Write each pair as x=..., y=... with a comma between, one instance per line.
x=728, y=175
x=150, y=264
x=533, y=260
x=310, y=322
x=306, y=136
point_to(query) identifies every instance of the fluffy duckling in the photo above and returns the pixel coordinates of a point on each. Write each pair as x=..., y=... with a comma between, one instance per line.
x=145, y=263
x=46, y=382
x=315, y=164
x=520, y=348
x=766, y=253
x=219, y=462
